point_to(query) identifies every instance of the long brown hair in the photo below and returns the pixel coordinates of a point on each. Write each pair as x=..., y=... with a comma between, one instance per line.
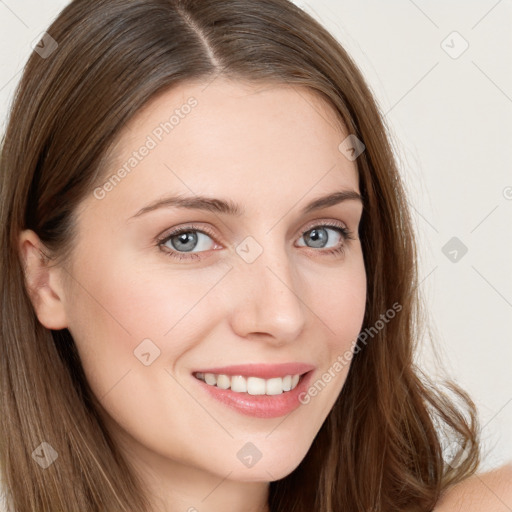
x=381, y=447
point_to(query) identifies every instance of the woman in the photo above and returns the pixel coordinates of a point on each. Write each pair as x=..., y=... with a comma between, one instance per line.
x=209, y=286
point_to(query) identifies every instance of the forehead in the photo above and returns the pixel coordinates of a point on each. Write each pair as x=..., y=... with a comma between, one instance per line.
x=231, y=138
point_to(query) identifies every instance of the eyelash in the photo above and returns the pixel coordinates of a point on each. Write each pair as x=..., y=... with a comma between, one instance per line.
x=345, y=233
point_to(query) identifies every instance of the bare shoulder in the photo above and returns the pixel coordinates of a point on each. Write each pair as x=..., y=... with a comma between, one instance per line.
x=482, y=492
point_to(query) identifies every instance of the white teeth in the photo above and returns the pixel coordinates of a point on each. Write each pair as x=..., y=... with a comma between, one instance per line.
x=274, y=386
x=255, y=386
x=210, y=379
x=223, y=382
x=239, y=384
x=251, y=385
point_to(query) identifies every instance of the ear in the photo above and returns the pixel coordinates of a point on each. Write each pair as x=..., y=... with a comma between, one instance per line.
x=43, y=281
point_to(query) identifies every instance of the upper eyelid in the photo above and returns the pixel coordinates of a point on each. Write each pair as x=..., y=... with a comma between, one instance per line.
x=184, y=229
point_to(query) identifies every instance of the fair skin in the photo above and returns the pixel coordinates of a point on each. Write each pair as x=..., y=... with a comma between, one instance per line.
x=271, y=150
x=487, y=492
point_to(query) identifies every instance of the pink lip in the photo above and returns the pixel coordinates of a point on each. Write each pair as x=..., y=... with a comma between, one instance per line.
x=260, y=406
x=263, y=371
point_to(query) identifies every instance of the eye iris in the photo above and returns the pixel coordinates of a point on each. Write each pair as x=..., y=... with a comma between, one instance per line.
x=182, y=238
x=318, y=236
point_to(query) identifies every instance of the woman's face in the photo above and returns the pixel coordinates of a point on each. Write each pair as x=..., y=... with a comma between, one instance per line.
x=263, y=287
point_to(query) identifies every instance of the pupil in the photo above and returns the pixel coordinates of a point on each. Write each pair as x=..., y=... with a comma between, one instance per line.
x=317, y=236
x=182, y=237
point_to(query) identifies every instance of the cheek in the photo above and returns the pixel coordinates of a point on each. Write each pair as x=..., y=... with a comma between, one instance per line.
x=134, y=326
x=341, y=301
x=119, y=304
x=340, y=304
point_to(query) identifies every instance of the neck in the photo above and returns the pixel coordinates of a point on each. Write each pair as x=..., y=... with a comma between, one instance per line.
x=177, y=487
x=187, y=489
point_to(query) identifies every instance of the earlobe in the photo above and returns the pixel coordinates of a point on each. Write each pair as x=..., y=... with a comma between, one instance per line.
x=42, y=280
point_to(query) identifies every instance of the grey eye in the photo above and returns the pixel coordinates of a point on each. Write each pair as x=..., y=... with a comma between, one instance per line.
x=187, y=241
x=319, y=236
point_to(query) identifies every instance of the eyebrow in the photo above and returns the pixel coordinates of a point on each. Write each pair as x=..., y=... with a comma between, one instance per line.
x=228, y=207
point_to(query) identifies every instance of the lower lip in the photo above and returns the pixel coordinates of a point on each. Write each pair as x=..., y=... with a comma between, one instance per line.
x=260, y=406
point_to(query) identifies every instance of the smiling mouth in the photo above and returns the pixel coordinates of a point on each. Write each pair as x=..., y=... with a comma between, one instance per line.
x=249, y=384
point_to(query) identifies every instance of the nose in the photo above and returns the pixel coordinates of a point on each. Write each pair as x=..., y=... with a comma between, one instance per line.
x=267, y=303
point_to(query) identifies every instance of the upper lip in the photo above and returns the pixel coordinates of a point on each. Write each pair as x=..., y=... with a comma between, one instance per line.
x=263, y=371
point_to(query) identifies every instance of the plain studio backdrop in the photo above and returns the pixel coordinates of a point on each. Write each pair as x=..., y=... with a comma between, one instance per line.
x=441, y=73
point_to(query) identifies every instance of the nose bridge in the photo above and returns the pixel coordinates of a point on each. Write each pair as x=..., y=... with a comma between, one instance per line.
x=268, y=300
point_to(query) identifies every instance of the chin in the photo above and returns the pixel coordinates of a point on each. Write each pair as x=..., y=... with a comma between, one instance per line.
x=269, y=470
